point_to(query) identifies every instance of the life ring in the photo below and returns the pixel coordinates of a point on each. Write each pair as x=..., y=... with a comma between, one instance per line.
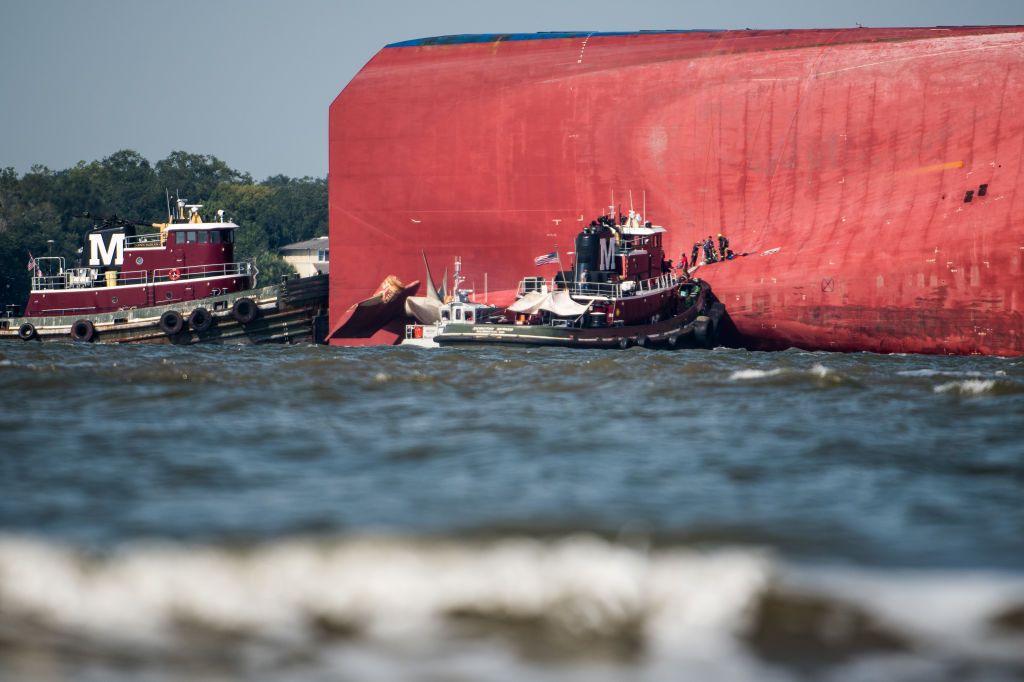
x=245, y=310
x=83, y=331
x=26, y=331
x=174, y=275
x=200, y=319
x=171, y=322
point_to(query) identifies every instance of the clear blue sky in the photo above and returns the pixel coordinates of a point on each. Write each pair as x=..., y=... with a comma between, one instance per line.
x=250, y=81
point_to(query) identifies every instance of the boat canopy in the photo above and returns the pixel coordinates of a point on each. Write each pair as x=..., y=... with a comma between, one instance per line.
x=529, y=303
x=643, y=231
x=558, y=303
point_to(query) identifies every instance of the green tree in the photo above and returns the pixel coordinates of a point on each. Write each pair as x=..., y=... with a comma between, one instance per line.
x=128, y=185
x=249, y=206
x=297, y=210
x=196, y=176
x=272, y=268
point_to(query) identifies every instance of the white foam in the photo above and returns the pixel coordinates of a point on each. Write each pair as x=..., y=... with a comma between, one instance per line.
x=679, y=602
x=821, y=371
x=817, y=370
x=388, y=587
x=936, y=373
x=742, y=374
x=967, y=386
x=946, y=611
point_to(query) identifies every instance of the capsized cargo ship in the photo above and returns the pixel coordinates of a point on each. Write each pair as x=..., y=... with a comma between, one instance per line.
x=871, y=176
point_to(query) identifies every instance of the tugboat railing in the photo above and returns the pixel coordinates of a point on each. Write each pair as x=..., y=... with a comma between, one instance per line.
x=144, y=240
x=92, y=278
x=87, y=278
x=244, y=268
x=599, y=289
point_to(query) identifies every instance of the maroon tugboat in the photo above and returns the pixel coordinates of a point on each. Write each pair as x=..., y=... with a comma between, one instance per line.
x=621, y=291
x=172, y=282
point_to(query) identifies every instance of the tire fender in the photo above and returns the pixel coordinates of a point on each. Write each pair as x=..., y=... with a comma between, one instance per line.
x=245, y=310
x=171, y=322
x=83, y=331
x=703, y=332
x=201, y=319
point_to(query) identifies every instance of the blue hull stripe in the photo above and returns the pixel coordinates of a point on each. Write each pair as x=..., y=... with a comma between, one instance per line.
x=499, y=37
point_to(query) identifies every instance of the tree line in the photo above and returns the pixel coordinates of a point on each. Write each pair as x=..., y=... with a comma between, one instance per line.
x=40, y=211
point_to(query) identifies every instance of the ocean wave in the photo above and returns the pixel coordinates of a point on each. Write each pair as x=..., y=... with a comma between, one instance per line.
x=818, y=374
x=967, y=386
x=742, y=374
x=672, y=607
x=946, y=373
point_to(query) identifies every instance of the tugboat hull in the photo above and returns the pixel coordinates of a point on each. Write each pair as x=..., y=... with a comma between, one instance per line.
x=696, y=326
x=290, y=313
x=682, y=331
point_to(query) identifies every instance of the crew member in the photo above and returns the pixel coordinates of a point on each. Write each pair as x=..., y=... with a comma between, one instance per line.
x=709, y=250
x=723, y=244
x=693, y=254
x=684, y=265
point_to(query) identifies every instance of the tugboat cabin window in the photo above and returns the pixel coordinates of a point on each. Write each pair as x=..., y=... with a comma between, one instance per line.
x=191, y=237
x=458, y=313
x=229, y=237
x=215, y=237
x=204, y=237
x=179, y=237
x=323, y=255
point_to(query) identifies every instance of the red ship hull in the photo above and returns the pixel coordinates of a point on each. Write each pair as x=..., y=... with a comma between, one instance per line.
x=873, y=174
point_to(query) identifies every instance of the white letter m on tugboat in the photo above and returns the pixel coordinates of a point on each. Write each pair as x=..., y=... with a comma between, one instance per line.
x=607, y=254
x=99, y=251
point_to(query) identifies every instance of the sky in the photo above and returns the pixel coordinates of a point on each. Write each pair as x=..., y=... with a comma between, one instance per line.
x=250, y=81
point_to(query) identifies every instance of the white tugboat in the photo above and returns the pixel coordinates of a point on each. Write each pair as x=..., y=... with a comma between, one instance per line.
x=435, y=311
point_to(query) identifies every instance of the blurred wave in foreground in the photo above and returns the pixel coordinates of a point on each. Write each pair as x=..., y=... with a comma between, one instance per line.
x=570, y=608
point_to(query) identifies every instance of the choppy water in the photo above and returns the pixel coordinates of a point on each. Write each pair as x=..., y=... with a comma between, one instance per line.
x=385, y=514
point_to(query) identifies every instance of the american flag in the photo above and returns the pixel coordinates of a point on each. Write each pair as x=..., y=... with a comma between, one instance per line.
x=31, y=262
x=546, y=258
